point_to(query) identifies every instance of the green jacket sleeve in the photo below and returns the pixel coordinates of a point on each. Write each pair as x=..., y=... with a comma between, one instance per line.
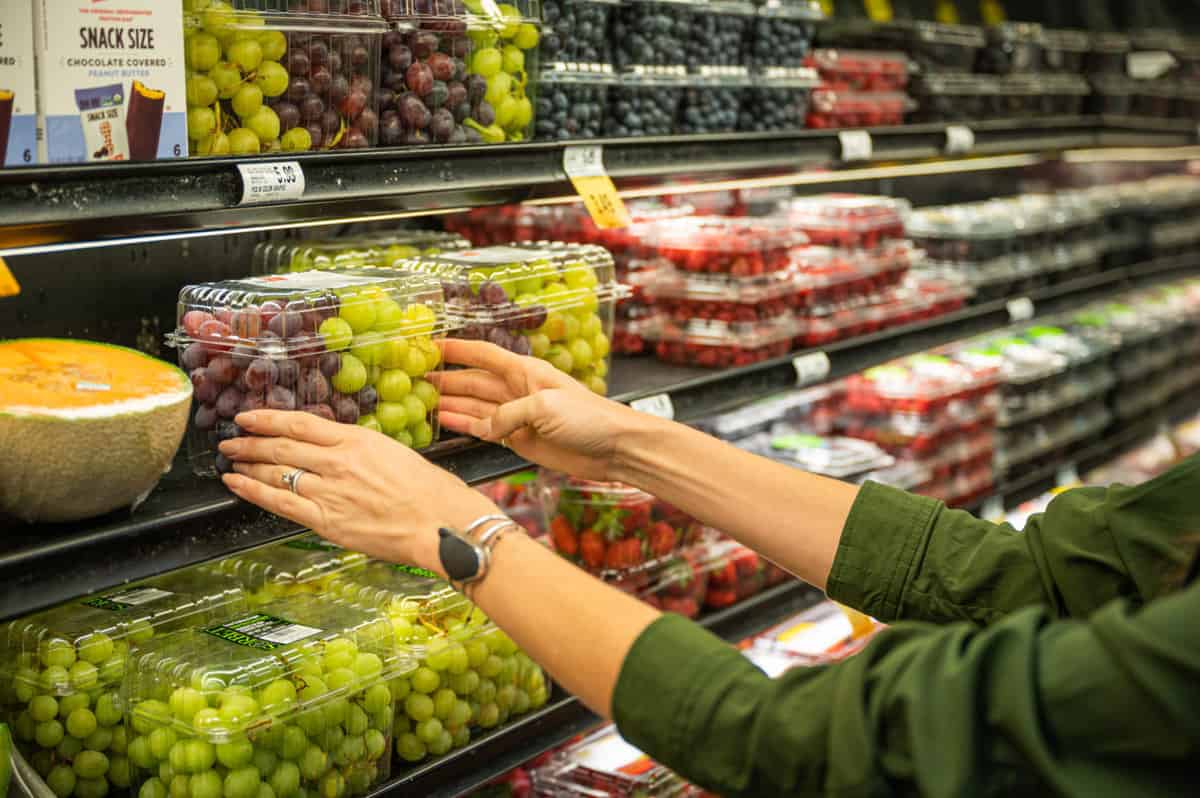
x=908, y=557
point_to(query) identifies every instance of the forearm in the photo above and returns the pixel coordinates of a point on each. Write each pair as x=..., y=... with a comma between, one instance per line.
x=792, y=517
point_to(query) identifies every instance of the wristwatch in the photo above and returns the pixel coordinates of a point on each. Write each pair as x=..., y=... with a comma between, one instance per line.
x=463, y=561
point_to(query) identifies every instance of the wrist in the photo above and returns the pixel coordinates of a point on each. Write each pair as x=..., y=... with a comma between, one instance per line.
x=638, y=436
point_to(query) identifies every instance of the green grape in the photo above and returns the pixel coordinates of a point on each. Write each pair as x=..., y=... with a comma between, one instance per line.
x=486, y=692
x=237, y=710
x=314, y=763
x=199, y=755
x=185, y=702
x=410, y=748
x=61, y=780
x=375, y=743
x=149, y=715
x=499, y=88
x=460, y=715
x=505, y=697
x=227, y=78
x=91, y=764
x=399, y=688
x=120, y=740
x=442, y=744
x=119, y=772
x=43, y=708
x=57, y=653
x=43, y=762
x=54, y=678
x=527, y=36
x=335, y=711
x=162, y=740
x=350, y=378
x=264, y=123
x=265, y=790
x=421, y=434
x=48, y=733
x=366, y=664
x=357, y=721
x=382, y=720
x=332, y=738
x=95, y=648
x=247, y=54
x=443, y=703
x=429, y=730
x=25, y=684
x=139, y=754
x=201, y=122
x=487, y=62
x=465, y=683
x=108, y=709
x=425, y=680
x=234, y=754
x=506, y=110
x=538, y=698
x=247, y=101
x=274, y=46
x=333, y=785
x=489, y=716
x=206, y=785
x=244, y=142
x=265, y=762
x=513, y=60
x=394, y=385
x=152, y=788
x=112, y=670
x=298, y=139
x=294, y=743
x=24, y=727
x=376, y=698
x=180, y=786
x=206, y=719
x=402, y=724
x=477, y=653
x=461, y=736
x=272, y=79
x=358, y=781
x=241, y=783
x=99, y=740
x=69, y=703
x=285, y=781
x=352, y=749
x=460, y=662
x=419, y=707
x=68, y=748
x=492, y=667
x=427, y=393
x=202, y=50
x=522, y=114
x=201, y=91
x=166, y=772
x=311, y=722
x=177, y=758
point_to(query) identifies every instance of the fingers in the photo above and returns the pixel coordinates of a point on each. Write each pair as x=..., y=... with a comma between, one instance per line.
x=296, y=425
x=480, y=355
x=308, y=485
x=280, y=452
x=465, y=405
x=509, y=418
x=472, y=382
x=275, y=500
x=457, y=422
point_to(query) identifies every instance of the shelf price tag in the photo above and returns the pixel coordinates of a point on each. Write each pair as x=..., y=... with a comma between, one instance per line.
x=280, y=181
x=659, y=405
x=879, y=10
x=811, y=368
x=8, y=284
x=960, y=140
x=584, y=165
x=1067, y=476
x=1020, y=309
x=993, y=509
x=856, y=145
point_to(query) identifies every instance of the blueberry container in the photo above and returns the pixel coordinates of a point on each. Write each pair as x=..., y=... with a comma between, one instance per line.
x=1153, y=98
x=1107, y=54
x=572, y=104
x=782, y=33
x=1112, y=94
x=1065, y=50
x=645, y=103
x=1060, y=94
x=953, y=97
x=1012, y=47
x=368, y=251
x=777, y=100
x=577, y=32
x=266, y=78
x=651, y=33
x=712, y=101
x=719, y=35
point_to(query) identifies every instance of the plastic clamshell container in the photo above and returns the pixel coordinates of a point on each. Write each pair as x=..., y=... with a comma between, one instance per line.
x=1065, y=50
x=820, y=635
x=1112, y=94
x=303, y=566
x=371, y=251
x=835, y=457
x=645, y=102
x=866, y=71
x=604, y=765
x=576, y=32
x=783, y=32
x=777, y=99
x=651, y=33
x=800, y=408
x=954, y=97
x=550, y=300
x=62, y=669
x=720, y=297
x=893, y=307
x=298, y=689
x=1107, y=54
x=712, y=100
x=264, y=78
x=849, y=221
x=352, y=346
x=719, y=35
x=919, y=384
x=941, y=47
x=573, y=104
x=1012, y=47
x=635, y=328
x=719, y=344
x=830, y=275
x=830, y=108
x=741, y=247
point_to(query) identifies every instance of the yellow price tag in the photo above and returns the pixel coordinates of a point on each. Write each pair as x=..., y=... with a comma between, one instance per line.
x=827, y=8
x=879, y=10
x=992, y=12
x=946, y=12
x=584, y=165
x=8, y=284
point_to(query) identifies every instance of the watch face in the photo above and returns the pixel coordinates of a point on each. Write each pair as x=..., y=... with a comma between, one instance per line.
x=459, y=558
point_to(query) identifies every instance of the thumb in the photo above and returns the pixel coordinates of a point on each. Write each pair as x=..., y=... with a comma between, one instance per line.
x=509, y=418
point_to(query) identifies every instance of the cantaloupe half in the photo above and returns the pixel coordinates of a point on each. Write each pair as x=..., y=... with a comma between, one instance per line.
x=85, y=427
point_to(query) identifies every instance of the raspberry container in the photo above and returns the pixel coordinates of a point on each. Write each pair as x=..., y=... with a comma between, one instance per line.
x=848, y=221
x=607, y=527
x=576, y=33
x=645, y=103
x=62, y=671
x=552, y=301
x=371, y=251
x=573, y=104
x=783, y=32
x=292, y=697
x=603, y=764
x=921, y=384
x=267, y=79
x=719, y=35
x=718, y=344
x=860, y=71
x=712, y=100
x=462, y=660
x=1012, y=47
x=829, y=108
x=683, y=296
x=777, y=100
x=459, y=74
x=636, y=328
x=829, y=275
x=651, y=33
x=306, y=565
x=740, y=247
x=1065, y=50
x=349, y=346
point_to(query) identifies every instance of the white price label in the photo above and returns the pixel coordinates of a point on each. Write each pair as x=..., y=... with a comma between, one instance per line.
x=856, y=145
x=1068, y=476
x=1020, y=309
x=584, y=161
x=280, y=181
x=811, y=368
x=993, y=509
x=658, y=405
x=960, y=140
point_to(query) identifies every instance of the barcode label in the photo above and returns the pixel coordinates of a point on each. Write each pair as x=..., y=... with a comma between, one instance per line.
x=811, y=368
x=265, y=632
x=123, y=600
x=856, y=145
x=282, y=181
x=1020, y=309
x=960, y=140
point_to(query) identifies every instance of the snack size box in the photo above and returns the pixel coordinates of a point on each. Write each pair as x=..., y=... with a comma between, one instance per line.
x=18, y=86
x=111, y=81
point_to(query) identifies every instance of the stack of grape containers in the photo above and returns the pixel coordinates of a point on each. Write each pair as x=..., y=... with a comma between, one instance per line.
x=577, y=70
x=458, y=73
x=278, y=76
x=854, y=276
x=379, y=250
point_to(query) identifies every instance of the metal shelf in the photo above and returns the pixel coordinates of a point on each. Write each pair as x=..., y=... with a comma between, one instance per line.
x=68, y=205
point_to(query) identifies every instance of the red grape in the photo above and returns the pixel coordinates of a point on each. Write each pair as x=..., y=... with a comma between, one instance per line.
x=222, y=370
x=355, y=139
x=345, y=409
x=194, y=357
x=280, y=398
x=312, y=108
x=289, y=115
x=206, y=417
x=442, y=66
x=322, y=410
x=368, y=122
x=400, y=57
x=261, y=374
x=288, y=372
x=228, y=402
x=298, y=89
x=203, y=387
x=192, y=321
x=419, y=78
x=322, y=79
x=442, y=126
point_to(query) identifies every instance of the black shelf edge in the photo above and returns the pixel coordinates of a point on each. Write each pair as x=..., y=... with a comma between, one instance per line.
x=494, y=754
x=109, y=203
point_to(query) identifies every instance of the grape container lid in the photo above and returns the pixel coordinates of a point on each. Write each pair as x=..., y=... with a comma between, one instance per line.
x=243, y=10
x=335, y=254
x=476, y=13
x=604, y=764
x=281, y=19
x=305, y=564
x=249, y=654
x=93, y=635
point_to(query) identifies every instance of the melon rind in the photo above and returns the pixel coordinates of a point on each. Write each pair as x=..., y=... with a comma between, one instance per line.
x=60, y=465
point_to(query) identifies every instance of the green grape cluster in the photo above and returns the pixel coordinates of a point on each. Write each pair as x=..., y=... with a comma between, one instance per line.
x=65, y=705
x=318, y=726
x=502, y=51
x=355, y=257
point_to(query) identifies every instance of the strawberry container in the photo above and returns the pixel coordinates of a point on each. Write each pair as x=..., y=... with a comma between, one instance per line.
x=783, y=32
x=603, y=764
x=572, y=104
x=293, y=696
x=677, y=583
x=1064, y=50
x=735, y=573
x=1012, y=47
x=740, y=247
x=306, y=565
x=352, y=346
x=777, y=100
x=831, y=108
x=607, y=527
x=553, y=301
x=469, y=675
x=62, y=670
x=719, y=344
x=575, y=32
x=848, y=221
x=860, y=71
x=268, y=78
x=368, y=251
x=645, y=102
x=920, y=384
x=921, y=434
x=683, y=296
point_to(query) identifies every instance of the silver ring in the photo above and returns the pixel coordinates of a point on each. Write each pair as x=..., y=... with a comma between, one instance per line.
x=504, y=442
x=292, y=480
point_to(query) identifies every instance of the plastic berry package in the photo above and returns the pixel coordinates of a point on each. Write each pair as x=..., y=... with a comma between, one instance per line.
x=940, y=47
x=607, y=527
x=860, y=71
x=849, y=221
x=651, y=33
x=1107, y=54
x=829, y=275
x=677, y=583
x=294, y=696
x=1065, y=50
x=572, y=105
x=683, y=296
x=953, y=97
x=719, y=35
x=777, y=100
x=281, y=78
x=485, y=226
x=813, y=410
x=719, y=344
x=829, y=108
x=352, y=346
x=783, y=32
x=838, y=457
x=820, y=635
x=636, y=328
x=920, y=384
x=712, y=101
x=1012, y=47
x=304, y=565
x=741, y=247
x=379, y=250
x=576, y=32
x=603, y=764
x=63, y=669
x=552, y=301
x=517, y=497
x=645, y=103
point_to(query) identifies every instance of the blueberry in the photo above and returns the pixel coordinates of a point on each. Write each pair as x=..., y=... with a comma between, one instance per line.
x=224, y=464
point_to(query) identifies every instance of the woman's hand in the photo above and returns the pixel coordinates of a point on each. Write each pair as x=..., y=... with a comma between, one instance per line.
x=539, y=412
x=360, y=489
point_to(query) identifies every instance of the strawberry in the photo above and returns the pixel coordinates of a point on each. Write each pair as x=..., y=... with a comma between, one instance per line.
x=563, y=536
x=720, y=597
x=614, y=558
x=634, y=553
x=634, y=514
x=747, y=562
x=591, y=548
x=725, y=576
x=662, y=539
x=685, y=606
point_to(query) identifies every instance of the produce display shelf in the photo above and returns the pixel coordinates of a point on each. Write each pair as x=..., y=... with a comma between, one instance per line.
x=113, y=203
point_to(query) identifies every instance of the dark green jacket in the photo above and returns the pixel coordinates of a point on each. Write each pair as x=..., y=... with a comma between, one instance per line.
x=1057, y=661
